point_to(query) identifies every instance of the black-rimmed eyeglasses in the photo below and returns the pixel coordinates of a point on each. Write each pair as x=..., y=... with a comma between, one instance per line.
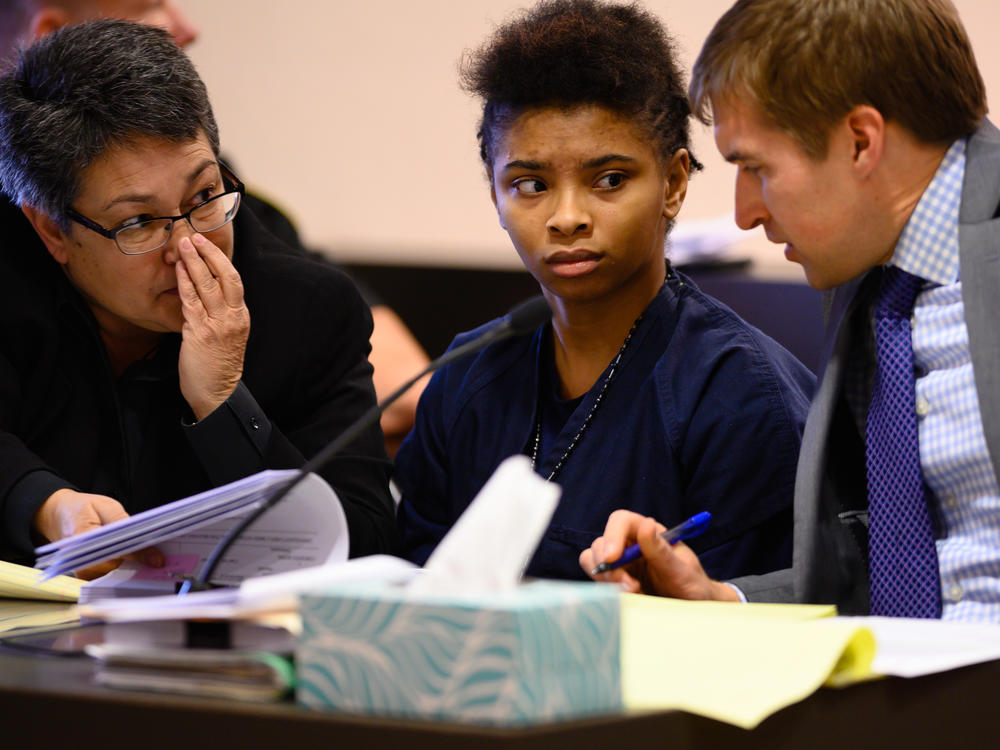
x=139, y=237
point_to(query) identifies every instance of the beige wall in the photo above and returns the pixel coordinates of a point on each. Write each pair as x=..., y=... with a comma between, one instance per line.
x=349, y=116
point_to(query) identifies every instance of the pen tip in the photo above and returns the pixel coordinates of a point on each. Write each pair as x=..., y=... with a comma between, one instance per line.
x=602, y=568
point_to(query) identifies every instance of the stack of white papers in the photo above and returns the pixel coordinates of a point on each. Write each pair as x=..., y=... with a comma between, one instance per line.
x=238, y=674
x=910, y=647
x=255, y=596
x=307, y=528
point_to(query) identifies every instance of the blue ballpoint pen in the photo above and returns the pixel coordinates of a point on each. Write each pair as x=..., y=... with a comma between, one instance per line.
x=691, y=527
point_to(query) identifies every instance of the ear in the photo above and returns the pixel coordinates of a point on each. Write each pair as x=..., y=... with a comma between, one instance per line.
x=866, y=129
x=677, y=170
x=48, y=230
x=47, y=19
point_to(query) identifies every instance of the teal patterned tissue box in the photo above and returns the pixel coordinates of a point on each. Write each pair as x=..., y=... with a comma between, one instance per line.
x=542, y=652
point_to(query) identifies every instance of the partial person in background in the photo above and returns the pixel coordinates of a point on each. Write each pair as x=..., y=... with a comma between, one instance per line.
x=153, y=344
x=643, y=391
x=396, y=355
x=859, y=134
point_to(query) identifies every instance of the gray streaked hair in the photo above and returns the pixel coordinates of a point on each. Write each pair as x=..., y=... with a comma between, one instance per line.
x=85, y=89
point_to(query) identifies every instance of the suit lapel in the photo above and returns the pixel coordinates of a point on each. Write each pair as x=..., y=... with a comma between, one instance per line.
x=838, y=348
x=811, y=512
x=979, y=243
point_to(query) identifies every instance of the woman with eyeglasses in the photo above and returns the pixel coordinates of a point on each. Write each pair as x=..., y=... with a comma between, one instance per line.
x=156, y=341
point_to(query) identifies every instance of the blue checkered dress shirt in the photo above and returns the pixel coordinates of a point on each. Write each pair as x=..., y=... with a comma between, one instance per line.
x=953, y=454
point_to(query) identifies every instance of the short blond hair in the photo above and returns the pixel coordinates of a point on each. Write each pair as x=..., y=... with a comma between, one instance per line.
x=806, y=63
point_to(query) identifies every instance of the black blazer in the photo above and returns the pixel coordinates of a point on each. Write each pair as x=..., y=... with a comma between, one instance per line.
x=66, y=421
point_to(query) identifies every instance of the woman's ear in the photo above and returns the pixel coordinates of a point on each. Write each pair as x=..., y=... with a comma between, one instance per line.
x=677, y=170
x=48, y=230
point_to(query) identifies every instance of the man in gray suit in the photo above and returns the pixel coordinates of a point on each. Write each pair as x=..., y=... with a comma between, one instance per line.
x=858, y=131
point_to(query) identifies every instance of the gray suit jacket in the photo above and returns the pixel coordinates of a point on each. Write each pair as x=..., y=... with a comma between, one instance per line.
x=830, y=557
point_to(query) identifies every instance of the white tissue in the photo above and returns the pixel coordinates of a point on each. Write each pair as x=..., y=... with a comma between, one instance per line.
x=492, y=542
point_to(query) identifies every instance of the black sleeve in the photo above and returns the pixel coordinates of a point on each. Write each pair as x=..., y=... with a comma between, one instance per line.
x=19, y=508
x=307, y=367
x=231, y=442
x=25, y=480
x=278, y=224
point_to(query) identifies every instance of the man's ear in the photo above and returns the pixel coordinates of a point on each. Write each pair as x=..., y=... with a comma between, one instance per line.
x=866, y=129
x=47, y=19
x=677, y=170
x=48, y=230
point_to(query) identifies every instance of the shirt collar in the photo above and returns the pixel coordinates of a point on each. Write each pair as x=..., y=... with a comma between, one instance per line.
x=928, y=247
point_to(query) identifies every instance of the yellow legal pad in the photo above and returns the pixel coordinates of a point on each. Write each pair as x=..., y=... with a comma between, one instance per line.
x=20, y=582
x=735, y=663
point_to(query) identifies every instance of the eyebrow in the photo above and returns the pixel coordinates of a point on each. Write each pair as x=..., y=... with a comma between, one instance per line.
x=523, y=164
x=149, y=198
x=598, y=161
x=735, y=156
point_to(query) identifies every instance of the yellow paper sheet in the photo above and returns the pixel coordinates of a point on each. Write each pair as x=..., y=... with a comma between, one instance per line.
x=734, y=663
x=20, y=582
x=21, y=614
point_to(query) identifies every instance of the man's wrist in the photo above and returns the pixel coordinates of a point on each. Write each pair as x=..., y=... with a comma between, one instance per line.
x=723, y=591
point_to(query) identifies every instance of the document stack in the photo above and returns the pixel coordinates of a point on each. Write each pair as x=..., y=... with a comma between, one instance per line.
x=237, y=660
x=308, y=528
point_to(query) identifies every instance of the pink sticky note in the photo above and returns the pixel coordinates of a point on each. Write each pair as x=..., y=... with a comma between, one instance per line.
x=173, y=566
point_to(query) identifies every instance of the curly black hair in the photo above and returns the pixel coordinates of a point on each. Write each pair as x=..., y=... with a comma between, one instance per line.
x=564, y=53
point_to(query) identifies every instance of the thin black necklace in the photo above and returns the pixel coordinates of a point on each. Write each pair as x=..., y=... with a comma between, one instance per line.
x=612, y=368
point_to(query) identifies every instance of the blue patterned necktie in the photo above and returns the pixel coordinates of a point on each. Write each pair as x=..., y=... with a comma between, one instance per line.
x=902, y=564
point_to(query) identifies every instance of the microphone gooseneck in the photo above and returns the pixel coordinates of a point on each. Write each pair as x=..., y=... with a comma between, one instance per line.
x=527, y=316
x=523, y=318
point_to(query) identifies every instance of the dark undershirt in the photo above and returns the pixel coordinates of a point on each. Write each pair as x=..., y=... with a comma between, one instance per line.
x=141, y=392
x=555, y=411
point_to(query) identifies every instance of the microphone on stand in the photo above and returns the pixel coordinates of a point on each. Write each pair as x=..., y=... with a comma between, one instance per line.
x=523, y=318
